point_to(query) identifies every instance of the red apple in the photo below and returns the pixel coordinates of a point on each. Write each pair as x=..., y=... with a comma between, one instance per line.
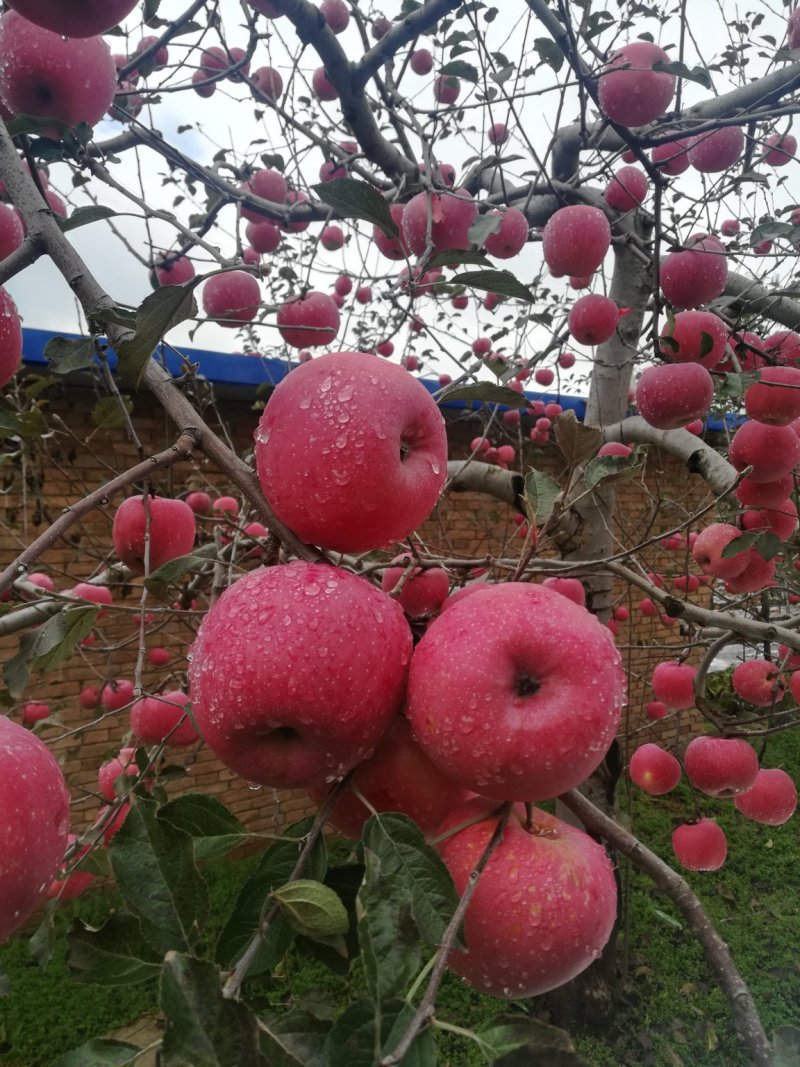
x=69, y=886
x=730, y=227
x=398, y=776
x=694, y=337
x=451, y=214
x=672, y=158
x=116, y=694
x=538, y=696
x=422, y=593
x=673, y=683
x=34, y=711
x=322, y=87
x=775, y=398
x=308, y=321
x=38, y=73
x=673, y=394
x=720, y=766
x=264, y=236
x=336, y=14
x=544, y=906
x=446, y=89
x=89, y=697
x=781, y=520
x=627, y=189
x=716, y=151
x=11, y=231
x=199, y=502
x=571, y=588
x=351, y=452
x=758, y=573
x=332, y=237
x=700, y=846
x=510, y=238
x=772, y=451
x=708, y=548
x=771, y=799
x=231, y=298
x=163, y=718
x=296, y=672
x=629, y=91
x=97, y=594
x=779, y=149
x=380, y=27
x=171, y=529
x=421, y=61
x=764, y=494
x=34, y=800
x=267, y=184
x=268, y=82
x=85, y=19
x=10, y=338
x=171, y=271
x=696, y=275
x=159, y=657
x=593, y=319
x=759, y=682
x=654, y=770
x=122, y=765
x=784, y=345
x=656, y=709
x=575, y=240
x=614, y=448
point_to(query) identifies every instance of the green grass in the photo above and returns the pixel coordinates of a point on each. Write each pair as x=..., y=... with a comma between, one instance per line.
x=669, y=1012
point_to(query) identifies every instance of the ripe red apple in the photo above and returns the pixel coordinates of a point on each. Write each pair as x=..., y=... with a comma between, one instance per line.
x=758, y=681
x=231, y=298
x=336, y=14
x=172, y=531
x=155, y=61
x=34, y=800
x=694, y=337
x=446, y=89
x=332, y=237
x=10, y=338
x=627, y=189
x=572, y=588
x=779, y=149
x=510, y=238
x=700, y=845
x=421, y=61
x=89, y=697
x=322, y=87
x=793, y=29
x=171, y=271
x=122, y=765
x=758, y=573
x=116, y=694
x=12, y=233
x=85, y=19
x=775, y=398
x=784, y=346
x=771, y=799
x=672, y=158
x=351, y=452
x=730, y=227
x=155, y=720
x=199, y=502
x=158, y=657
x=267, y=184
x=764, y=494
x=380, y=27
x=451, y=215
x=398, y=776
x=772, y=451
x=673, y=684
x=575, y=240
x=614, y=448
x=34, y=711
x=391, y=247
x=629, y=91
x=696, y=275
x=716, y=151
x=654, y=770
x=97, y=594
x=269, y=82
x=66, y=886
x=708, y=548
x=296, y=672
x=308, y=321
x=782, y=520
x=264, y=236
x=673, y=394
x=656, y=709
x=225, y=505
x=544, y=905
x=720, y=766
x=38, y=73
x=593, y=319
x=422, y=593
x=538, y=696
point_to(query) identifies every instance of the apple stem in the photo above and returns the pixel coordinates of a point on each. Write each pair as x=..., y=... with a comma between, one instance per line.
x=528, y=816
x=425, y=1010
x=743, y=1008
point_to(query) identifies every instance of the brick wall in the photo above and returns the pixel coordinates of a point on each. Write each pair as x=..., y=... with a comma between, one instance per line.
x=76, y=458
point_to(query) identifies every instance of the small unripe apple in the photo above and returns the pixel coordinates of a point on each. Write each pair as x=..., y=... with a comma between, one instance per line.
x=654, y=770
x=720, y=766
x=700, y=846
x=171, y=529
x=771, y=799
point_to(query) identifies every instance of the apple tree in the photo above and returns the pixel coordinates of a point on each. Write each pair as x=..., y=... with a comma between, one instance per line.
x=469, y=191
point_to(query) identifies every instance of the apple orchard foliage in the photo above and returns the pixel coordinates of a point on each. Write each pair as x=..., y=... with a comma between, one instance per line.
x=425, y=705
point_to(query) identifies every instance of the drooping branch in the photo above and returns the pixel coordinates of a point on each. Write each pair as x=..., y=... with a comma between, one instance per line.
x=743, y=1008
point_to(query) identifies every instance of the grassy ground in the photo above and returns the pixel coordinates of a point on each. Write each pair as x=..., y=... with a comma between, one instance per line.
x=669, y=1011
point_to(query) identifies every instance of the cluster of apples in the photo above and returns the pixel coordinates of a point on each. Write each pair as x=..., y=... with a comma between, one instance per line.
x=304, y=672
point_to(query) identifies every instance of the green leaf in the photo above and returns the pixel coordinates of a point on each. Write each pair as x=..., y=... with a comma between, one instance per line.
x=576, y=441
x=487, y=393
x=706, y=344
x=158, y=313
x=10, y=426
x=16, y=671
x=549, y=52
x=109, y=413
x=64, y=355
x=82, y=216
x=458, y=68
x=354, y=199
x=739, y=544
x=360, y=1030
x=294, y=1039
x=680, y=70
x=203, y=1028
x=484, y=226
x=668, y=920
x=115, y=315
x=162, y=577
x=5, y=984
x=768, y=545
x=114, y=954
x=785, y=1046
x=100, y=1052
x=313, y=910
x=274, y=869
x=58, y=638
x=403, y=852
x=153, y=862
x=201, y=816
x=768, y=231
x=25, y=124
x=541, y=493
x=501, y=282
x=391, y=945
x=509, y=1032
x=456, y=255
x=607, y=469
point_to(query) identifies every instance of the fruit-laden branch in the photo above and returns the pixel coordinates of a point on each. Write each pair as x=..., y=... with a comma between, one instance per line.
x=413, y=25
x=719, y=959
x=174, y=27
x=46, y=234
x=181, y=450
x=699, y=456
x=35, y=614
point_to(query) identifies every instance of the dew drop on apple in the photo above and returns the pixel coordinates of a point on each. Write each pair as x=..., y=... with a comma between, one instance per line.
x=346, y=393
x=304, y=405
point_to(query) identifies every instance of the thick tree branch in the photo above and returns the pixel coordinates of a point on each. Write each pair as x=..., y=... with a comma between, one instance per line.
x=413, y=25
x=477, y=477
x=749, y=295
x=719, y=959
